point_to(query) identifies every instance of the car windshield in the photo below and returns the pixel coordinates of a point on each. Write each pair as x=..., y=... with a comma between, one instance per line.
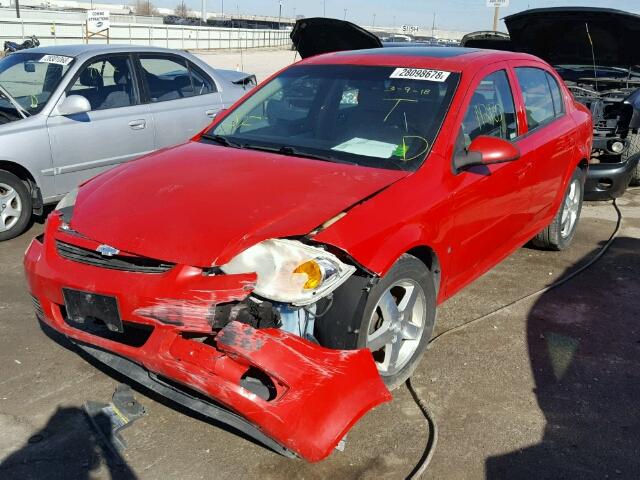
x=31, y=78
x=384, y=117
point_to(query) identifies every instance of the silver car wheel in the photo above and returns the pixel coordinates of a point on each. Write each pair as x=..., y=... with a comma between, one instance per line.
x=10, y=207
x=397, y=325
x=570, y=208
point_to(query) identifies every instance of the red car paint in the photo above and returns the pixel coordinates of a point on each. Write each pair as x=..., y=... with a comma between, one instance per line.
x=226, y=200
x=251, y=195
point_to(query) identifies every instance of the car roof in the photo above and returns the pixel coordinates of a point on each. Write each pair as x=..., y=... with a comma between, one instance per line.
x=447, y=58
x=78, y=50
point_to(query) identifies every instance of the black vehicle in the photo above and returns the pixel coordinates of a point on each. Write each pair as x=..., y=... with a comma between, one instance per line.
x=31, y=42
x=594, y=51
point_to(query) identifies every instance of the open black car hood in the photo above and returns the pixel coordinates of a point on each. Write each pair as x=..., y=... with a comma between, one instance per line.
x=487, y=39
x=313, y=36
x=559, y=35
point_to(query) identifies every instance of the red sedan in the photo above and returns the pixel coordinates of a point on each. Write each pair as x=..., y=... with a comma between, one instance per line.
x=281, y=271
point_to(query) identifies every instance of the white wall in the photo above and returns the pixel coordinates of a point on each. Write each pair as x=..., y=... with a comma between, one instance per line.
x=170, y=36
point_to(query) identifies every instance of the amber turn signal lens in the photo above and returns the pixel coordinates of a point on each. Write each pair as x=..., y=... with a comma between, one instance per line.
x=313, y=272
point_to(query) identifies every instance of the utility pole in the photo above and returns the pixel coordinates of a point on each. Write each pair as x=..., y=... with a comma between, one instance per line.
x=203, y=15
x=279, y=13
x=433, y=26
x=18, y=8
x=222, y=10
x=374, y=20
x=495, y=19
x=345, y=14
x=324, y=8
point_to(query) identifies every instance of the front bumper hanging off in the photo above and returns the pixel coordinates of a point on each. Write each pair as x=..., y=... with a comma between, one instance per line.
x=308, y=396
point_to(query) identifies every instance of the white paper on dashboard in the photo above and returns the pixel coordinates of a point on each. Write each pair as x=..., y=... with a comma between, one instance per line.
x=368, y=148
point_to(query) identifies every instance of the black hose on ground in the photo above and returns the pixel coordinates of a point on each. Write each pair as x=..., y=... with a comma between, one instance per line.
x=432, y=426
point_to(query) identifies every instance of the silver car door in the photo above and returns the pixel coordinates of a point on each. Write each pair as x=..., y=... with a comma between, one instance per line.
x=117, y=129
x=182, y=97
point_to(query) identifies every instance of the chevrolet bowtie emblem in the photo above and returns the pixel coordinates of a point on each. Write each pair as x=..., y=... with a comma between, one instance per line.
x=107, y=250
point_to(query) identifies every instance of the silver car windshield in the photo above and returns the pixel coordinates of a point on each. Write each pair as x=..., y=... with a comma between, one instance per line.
x=383, y=117
x=31, y=78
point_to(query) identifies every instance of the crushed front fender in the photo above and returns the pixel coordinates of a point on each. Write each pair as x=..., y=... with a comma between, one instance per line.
x=325, y=391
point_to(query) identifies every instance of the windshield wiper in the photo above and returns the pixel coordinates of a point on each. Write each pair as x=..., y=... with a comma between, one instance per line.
x=293, y=152
x=23, y=113
x=221, y=140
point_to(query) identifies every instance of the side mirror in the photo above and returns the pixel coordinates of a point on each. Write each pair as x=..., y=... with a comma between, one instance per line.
x=485, y=150
x=29, y=67
x=73, y=105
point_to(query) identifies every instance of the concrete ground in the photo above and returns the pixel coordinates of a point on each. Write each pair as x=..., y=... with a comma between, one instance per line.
x=547, y=388
x=261, y=62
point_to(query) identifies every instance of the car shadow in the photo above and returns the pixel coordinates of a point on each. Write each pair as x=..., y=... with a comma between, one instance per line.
x=67, y=447
x=584, y=346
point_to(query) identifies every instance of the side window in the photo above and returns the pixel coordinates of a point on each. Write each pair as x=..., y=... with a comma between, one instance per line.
x=491, y=111
x=202, y=84
x=170, y=78
x=538, y=102
x=556, y=95
x=106, y=83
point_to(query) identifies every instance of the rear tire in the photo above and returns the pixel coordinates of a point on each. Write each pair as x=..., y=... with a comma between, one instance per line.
x=560, y=232
x=633, y=149
x=15, y=206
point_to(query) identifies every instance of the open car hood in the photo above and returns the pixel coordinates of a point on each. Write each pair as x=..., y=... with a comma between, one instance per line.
x=487, y=39
x=559, y=35
x=313, y=36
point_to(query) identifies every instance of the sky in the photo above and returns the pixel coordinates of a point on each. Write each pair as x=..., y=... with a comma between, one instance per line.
x=467, y=15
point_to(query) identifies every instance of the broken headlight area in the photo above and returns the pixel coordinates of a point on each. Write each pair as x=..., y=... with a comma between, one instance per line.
x=65, y=206
x=289, y=271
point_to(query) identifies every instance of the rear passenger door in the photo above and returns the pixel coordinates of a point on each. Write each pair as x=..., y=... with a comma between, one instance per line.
x=182, y=98
x=548, y=140
x=117, y=129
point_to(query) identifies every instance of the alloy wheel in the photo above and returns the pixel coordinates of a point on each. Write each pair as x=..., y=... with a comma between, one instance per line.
x=570, y=209
x=397, y=325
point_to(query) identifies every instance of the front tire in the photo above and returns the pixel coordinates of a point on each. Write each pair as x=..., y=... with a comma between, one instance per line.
x=559, y=234
x=15, y=206
x=398, y=319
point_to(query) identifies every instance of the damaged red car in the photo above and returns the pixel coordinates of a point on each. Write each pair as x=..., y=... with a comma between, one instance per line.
x=280, y=272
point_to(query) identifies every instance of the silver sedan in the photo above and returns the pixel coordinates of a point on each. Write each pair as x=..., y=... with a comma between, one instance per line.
x=70, y=112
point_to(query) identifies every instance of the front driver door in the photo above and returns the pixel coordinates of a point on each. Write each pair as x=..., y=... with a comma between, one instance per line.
x=490, y=203
x=117, y=129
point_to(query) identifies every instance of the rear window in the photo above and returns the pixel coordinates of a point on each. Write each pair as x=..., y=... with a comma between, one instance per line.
x=386, y=117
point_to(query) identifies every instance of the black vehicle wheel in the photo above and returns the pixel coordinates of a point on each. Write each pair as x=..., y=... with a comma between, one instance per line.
x=398, y=319
x=633, y=149
x=559, y=234
x=15, y=206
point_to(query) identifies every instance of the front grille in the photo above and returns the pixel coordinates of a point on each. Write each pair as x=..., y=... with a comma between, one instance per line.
x=115, y=262
x=37, y=306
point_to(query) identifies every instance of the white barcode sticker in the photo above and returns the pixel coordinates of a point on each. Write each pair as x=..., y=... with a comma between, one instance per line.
x=420, y=74
x=57, y=59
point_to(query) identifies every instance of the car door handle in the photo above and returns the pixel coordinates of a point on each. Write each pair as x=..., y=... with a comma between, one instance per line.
x=137, y=124
x=211, y=113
